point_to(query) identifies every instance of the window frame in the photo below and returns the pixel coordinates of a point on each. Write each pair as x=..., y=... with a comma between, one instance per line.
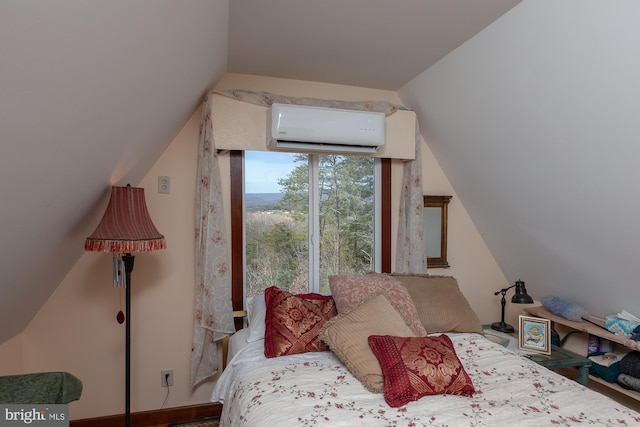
x=236, y=183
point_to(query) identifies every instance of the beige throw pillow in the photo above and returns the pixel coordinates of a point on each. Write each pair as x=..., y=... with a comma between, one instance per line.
x=347, y=336
x=440, y=304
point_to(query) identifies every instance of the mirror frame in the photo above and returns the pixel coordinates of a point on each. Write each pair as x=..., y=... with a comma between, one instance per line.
x=439, y=202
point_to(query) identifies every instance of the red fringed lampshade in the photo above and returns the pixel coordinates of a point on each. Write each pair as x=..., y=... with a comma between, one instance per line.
x=126, y=226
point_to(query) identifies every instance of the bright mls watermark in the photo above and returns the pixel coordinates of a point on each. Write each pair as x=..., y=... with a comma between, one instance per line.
x=34, y=415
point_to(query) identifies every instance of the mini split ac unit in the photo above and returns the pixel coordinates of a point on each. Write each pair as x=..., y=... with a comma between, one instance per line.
x=302, y=128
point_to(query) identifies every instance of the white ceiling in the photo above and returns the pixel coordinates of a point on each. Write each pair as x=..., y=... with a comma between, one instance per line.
x=91, y=93
x=372, y=43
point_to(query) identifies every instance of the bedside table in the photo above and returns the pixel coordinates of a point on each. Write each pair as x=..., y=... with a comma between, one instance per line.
x=559, y=357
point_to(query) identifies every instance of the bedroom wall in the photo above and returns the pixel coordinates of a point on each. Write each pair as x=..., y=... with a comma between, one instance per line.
x=76, y=329
x=11, y=356
x=546, y=161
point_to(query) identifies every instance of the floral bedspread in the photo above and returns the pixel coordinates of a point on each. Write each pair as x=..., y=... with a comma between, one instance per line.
x=510, y=391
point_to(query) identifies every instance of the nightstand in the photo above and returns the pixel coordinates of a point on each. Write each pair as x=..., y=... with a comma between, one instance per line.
x=559, y=357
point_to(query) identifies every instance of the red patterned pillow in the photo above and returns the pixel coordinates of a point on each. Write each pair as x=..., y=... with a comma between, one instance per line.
x=349, y=290
x=417, y=367
x=292, y=322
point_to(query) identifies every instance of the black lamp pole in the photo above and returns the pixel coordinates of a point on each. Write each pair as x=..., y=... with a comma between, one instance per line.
x=128, y=260
x=501, y=325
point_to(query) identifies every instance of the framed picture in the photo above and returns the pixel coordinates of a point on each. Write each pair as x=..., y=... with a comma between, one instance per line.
x=434, y=216
x=534, y=334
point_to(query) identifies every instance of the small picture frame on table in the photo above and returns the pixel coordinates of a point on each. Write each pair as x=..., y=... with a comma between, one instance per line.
x=534, y=334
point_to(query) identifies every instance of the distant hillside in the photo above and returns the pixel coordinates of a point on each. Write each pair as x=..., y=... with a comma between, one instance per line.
x=261, y=201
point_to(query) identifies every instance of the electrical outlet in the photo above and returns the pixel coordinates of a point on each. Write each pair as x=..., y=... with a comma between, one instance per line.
x=164, y=184
x=166, y=378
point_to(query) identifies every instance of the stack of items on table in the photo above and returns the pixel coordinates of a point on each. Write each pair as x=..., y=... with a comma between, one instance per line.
x=605, y=363
x=630, y=371
x=623, y=369
x=630, y=364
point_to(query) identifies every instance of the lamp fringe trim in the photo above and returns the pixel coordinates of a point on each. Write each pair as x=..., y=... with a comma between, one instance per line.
x=124, y=246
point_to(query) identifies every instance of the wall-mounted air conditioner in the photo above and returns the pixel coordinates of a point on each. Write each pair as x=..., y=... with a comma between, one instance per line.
x=303, y=128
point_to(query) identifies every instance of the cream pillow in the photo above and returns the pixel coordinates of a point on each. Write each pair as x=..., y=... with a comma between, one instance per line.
x=440, y=304
x=347, y=336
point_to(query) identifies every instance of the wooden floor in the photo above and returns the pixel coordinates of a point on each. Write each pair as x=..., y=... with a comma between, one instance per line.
x=159, y=425
x=155, y=418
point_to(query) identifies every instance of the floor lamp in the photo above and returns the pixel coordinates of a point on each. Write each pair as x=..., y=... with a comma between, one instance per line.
x=125, y=228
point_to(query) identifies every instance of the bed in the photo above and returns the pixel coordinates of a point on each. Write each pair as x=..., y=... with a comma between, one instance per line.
x=395, y=351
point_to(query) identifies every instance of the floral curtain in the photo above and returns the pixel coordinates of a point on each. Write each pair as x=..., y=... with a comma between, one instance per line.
x=213, y=317
x=213, y=309
x=410, y=252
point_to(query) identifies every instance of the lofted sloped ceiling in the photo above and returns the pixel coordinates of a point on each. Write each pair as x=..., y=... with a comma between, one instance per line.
x=91, y=93
x=371, y=43
x=535, y=122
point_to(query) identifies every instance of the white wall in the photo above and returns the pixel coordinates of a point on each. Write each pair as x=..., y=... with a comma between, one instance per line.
x=76, y=330
x=535, y=121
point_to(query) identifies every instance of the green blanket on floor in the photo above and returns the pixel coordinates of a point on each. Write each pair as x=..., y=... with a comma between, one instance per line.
x=40, y=388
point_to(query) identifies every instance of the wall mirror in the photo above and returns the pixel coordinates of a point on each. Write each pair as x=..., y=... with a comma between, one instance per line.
x=435, y=230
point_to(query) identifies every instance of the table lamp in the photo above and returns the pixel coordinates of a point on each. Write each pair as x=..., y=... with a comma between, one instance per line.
x=520, y=297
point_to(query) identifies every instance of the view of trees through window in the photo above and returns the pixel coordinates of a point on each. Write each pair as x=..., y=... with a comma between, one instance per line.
x=286, y=196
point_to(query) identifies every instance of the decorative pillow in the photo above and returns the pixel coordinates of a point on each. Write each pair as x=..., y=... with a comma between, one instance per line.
x=256, y=312
x=416, y=367
x=440, y=304
x=292, y=322
x=349, y=290
x=347, y=336
x=563, y=308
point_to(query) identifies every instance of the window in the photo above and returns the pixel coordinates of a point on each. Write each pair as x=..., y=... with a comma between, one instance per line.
x=308, y=217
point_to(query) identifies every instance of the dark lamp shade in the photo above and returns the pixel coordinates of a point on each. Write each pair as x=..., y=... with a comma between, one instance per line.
x=126, y=226
x=521, y=296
